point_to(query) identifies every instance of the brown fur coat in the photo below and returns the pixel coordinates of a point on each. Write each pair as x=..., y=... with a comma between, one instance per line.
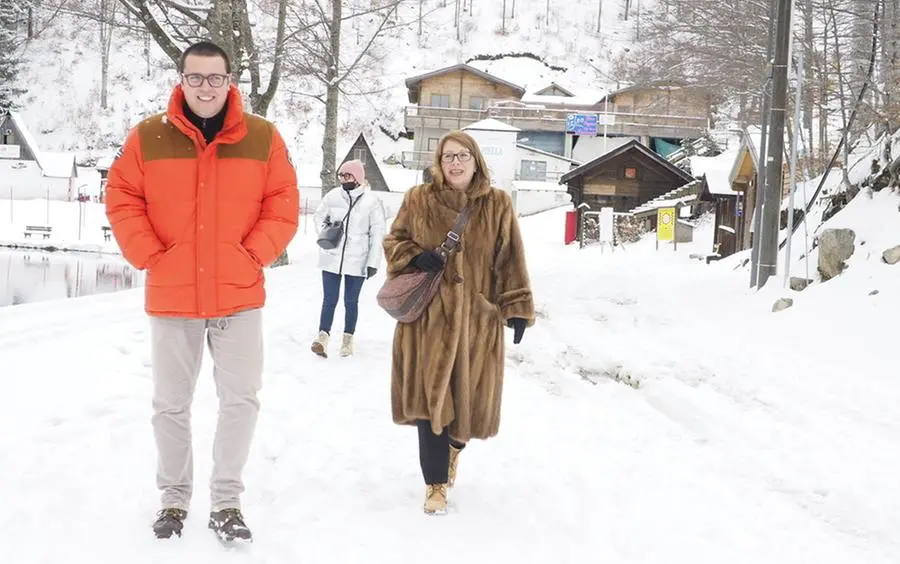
x=448, y=364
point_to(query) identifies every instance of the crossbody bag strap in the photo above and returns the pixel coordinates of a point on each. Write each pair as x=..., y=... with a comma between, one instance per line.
x=451, y=242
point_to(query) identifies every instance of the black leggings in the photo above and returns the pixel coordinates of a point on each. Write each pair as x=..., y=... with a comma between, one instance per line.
x=434, y=453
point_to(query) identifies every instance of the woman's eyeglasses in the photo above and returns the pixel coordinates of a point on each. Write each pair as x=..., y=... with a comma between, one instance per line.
x=463, y=156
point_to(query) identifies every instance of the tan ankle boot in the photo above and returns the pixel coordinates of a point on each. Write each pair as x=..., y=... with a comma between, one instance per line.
x=347, y=345
x=320, y=345
x=436, y=499
x=454, y=462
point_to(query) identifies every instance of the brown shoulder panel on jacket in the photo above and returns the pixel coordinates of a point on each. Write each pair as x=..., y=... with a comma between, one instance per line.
x=160, y=139
x=255, y=145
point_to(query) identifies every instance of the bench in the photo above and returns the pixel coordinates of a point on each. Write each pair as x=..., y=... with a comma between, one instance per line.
x=107, y=232
x=42, y=229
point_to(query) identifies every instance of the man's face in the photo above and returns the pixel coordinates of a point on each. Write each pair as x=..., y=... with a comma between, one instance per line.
x=203, y=98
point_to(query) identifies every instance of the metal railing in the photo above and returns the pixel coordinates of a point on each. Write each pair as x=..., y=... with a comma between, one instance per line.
x=463, y=116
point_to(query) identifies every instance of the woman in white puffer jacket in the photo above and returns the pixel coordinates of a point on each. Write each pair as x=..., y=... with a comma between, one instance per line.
x=357, y=255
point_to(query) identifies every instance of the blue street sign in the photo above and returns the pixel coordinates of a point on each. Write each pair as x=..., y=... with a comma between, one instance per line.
x=581, y=124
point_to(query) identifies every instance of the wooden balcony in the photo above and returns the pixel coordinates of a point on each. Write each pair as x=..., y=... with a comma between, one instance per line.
x=543, y=119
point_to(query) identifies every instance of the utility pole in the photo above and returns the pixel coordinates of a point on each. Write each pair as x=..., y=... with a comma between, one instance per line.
x=768, y=248
x=759, y=192
x=798, y=130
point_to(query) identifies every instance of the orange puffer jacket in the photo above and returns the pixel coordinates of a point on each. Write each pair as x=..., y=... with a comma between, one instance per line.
x=203, y=220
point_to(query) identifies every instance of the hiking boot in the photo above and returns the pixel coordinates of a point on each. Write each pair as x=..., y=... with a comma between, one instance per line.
x=436, y=499
x=454, y=462
x=169, y=521
x=229, y=526
x=320, y=345
x=347, y=345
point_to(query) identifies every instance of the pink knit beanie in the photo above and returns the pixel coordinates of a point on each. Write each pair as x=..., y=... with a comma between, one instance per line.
x=354, y=167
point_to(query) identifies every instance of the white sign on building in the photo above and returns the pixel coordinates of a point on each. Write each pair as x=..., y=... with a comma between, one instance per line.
x=497, y=141
x=10, y=152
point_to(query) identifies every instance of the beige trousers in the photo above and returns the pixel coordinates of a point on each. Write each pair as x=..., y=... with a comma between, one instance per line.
x=235, y=344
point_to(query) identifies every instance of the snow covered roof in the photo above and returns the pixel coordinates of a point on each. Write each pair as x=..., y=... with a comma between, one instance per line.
x=412, y=83
x=679, y=196
x=632, y=145
x=58, y=165
x=25, y=134
x=716, y=170
x=491, y=124
x=401, y=179
x=52, y=165
x=554, y=86
x=751, y=141
x=582, y=99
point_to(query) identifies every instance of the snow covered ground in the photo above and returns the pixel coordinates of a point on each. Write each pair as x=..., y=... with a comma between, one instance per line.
x=744, y=437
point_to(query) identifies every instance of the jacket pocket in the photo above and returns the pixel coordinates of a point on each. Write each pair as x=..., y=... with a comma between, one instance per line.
x=172, y=269
x=237, y=267
x=241, y=249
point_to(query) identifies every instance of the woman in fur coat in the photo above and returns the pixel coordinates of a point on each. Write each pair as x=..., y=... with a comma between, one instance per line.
x=447, y=375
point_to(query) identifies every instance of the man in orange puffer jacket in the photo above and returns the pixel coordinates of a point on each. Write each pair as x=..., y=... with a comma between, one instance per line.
x=203, y=197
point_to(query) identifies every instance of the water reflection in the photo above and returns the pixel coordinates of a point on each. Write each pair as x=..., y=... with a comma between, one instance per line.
x=32, y=276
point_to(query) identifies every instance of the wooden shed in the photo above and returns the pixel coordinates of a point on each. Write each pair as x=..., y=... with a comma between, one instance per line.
x=623, y=179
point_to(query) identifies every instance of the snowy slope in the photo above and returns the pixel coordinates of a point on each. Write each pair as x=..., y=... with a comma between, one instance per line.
x=745, y=436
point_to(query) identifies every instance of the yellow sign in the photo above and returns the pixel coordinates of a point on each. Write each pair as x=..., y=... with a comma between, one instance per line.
x=665, y=224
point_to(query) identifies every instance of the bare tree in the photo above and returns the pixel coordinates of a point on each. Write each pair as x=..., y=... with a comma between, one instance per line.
x=679, y=47
x=174, y=24
x=890, y=64
x=599, y=12
x=316, y=51
x=107, y=25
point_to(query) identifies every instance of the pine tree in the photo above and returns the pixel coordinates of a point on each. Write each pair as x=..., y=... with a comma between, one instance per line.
x=10, y=12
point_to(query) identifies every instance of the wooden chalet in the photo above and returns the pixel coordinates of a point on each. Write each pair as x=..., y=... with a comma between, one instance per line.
x=449, y=99
x=623, y=178
x=661, y=115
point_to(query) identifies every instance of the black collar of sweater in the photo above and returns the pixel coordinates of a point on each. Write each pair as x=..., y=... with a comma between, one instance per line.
x=209, y=127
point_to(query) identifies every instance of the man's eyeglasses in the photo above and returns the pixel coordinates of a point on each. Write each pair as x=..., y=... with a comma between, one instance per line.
x=463, y=156
x=195, y=80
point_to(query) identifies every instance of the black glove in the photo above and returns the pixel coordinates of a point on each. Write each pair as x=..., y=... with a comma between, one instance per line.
x=370, y=272
x=518, y=326
x=429, y=261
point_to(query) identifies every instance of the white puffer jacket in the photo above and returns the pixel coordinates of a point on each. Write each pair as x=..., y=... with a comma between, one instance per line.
x=364, y=227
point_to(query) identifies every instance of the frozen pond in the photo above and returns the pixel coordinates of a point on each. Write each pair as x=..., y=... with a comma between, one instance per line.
x=32, y=276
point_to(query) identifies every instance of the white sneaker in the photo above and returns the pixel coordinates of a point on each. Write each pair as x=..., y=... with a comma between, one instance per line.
x=320, y=345
x=347, y=345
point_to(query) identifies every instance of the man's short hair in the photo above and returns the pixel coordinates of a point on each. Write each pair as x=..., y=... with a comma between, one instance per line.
x=205, y=49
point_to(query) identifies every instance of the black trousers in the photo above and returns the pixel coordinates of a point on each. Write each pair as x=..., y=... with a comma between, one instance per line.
x=434, y=453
